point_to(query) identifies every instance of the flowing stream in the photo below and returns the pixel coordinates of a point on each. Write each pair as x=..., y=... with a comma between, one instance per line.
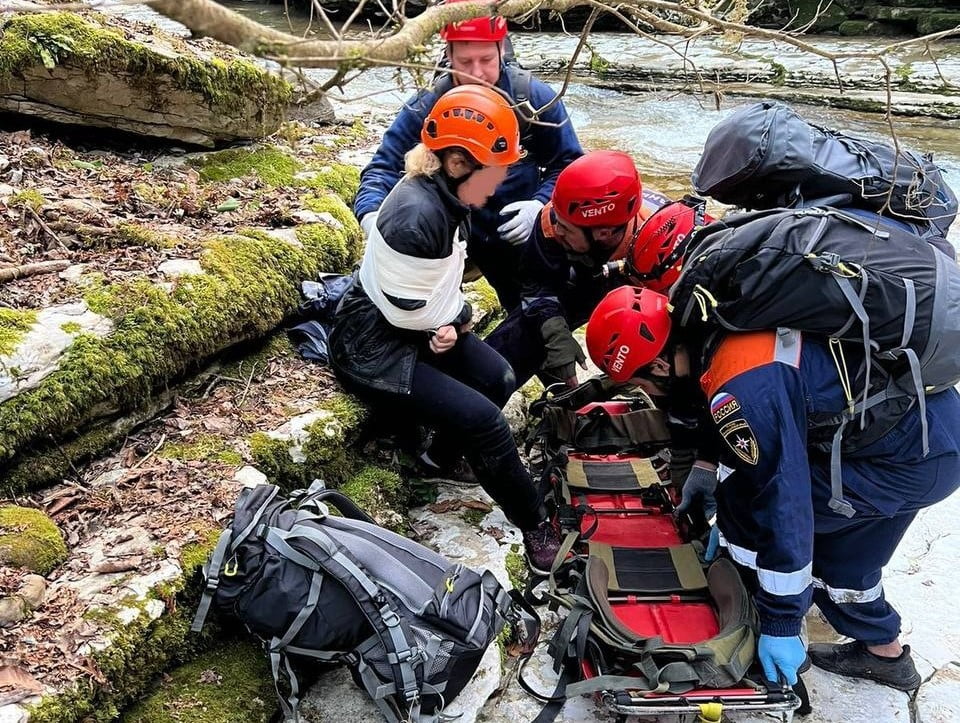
x=663, y=131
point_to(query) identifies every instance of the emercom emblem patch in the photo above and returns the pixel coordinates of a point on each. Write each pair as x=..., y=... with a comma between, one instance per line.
x=741, y=440
x=723, y=405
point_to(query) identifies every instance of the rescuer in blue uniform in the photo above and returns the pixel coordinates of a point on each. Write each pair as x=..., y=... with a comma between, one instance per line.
x=766, y=392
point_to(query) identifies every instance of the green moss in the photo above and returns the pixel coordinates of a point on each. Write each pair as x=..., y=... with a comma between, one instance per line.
x=56, y=38
x=779, y=71
x=375, y=489
x=472, y=516
x=487, y=311
x=228, y=683
x=337, y=178
x=327, y=448
x=70, y=327
x=516, y=567
x=132, y=234
x=272, y=457
x=195, y=556
x=269, y=164
x=207, y=447
x=599, y=65
x=138, y=652
x=337, y=208
x=27, y=197
x=30, y=539
x=52, y=462
x=250, y=285
x=336, y=256
x=14, y=325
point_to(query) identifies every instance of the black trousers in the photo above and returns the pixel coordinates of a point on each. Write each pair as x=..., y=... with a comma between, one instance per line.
x=460, y=394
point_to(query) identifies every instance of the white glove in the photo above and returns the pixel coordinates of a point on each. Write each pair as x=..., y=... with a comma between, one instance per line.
x=368, y=221
x=517, y=230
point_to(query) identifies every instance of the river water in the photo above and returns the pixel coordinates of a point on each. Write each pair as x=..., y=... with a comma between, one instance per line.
x=663, y=131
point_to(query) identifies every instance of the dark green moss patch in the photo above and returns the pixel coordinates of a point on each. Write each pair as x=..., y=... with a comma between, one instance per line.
x=269, y=164
x=226, y=684
x=30, y=539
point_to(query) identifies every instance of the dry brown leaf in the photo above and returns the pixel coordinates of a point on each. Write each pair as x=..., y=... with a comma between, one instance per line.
x=16, y=678
x=445, y=506
x=477, y=505
x=110, y=566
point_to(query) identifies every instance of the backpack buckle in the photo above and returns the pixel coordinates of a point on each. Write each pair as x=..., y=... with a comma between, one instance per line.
x=390, y=617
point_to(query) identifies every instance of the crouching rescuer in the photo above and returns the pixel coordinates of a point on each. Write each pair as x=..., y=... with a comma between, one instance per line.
x=769, y=393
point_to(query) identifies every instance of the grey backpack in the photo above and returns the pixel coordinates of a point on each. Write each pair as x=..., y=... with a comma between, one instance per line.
x=852, y=277
x=766, y=156
x=312, y=585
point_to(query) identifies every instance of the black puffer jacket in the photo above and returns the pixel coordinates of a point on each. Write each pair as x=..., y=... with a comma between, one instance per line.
x=419, y=219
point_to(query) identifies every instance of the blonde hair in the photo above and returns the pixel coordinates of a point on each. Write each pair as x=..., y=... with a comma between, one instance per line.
x=421, y=161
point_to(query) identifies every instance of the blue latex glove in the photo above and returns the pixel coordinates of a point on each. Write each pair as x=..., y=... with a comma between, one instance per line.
x=700, y=485
x=713, y=545
x=781, y=656
x=517, y=229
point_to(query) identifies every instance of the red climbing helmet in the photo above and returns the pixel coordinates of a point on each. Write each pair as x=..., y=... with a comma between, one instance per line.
x=486, y=29
x=656, y=253
x=601, y=188
x=628, y=330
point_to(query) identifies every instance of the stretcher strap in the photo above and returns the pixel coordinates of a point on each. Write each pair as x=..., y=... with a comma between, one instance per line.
x=625, y=475
x=654, y=570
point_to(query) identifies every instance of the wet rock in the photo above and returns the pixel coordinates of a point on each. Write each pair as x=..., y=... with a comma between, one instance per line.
x=30, y=539
x=938, y=700
x=174, y=268
x=250, y=476
x=306, y=216
x=94, y=75
x=39, y=353
x=295, y=432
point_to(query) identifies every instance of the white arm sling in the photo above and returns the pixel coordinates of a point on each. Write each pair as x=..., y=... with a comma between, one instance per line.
x=436, y=282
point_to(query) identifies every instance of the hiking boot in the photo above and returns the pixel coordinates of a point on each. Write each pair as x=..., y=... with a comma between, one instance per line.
x=543, y=544
x=855, y=661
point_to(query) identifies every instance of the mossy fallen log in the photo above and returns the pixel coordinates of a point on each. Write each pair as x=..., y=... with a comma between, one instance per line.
x=78, y=69
x=250, y=282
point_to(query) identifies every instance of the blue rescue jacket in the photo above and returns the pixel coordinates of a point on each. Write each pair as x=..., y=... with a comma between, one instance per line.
x=550, y=148
x=775, y=483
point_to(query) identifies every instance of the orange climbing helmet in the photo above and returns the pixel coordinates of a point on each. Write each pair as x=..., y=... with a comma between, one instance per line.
x=485, y=29
x=477, y=119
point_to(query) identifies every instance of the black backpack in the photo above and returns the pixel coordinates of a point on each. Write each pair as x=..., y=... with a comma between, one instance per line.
x=848, y=277
x=766, y=156
x=411, y=625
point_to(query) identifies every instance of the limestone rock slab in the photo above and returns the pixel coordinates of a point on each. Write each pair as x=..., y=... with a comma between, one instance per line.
x=44, y=344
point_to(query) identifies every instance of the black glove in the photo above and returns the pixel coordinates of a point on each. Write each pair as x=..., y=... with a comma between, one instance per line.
x=563, y=351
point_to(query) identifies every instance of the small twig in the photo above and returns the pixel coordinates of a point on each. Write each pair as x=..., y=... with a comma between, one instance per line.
x=148, y=455
x=246, y=389
x=46, y=229
x=38, y=267
x=77, y=476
